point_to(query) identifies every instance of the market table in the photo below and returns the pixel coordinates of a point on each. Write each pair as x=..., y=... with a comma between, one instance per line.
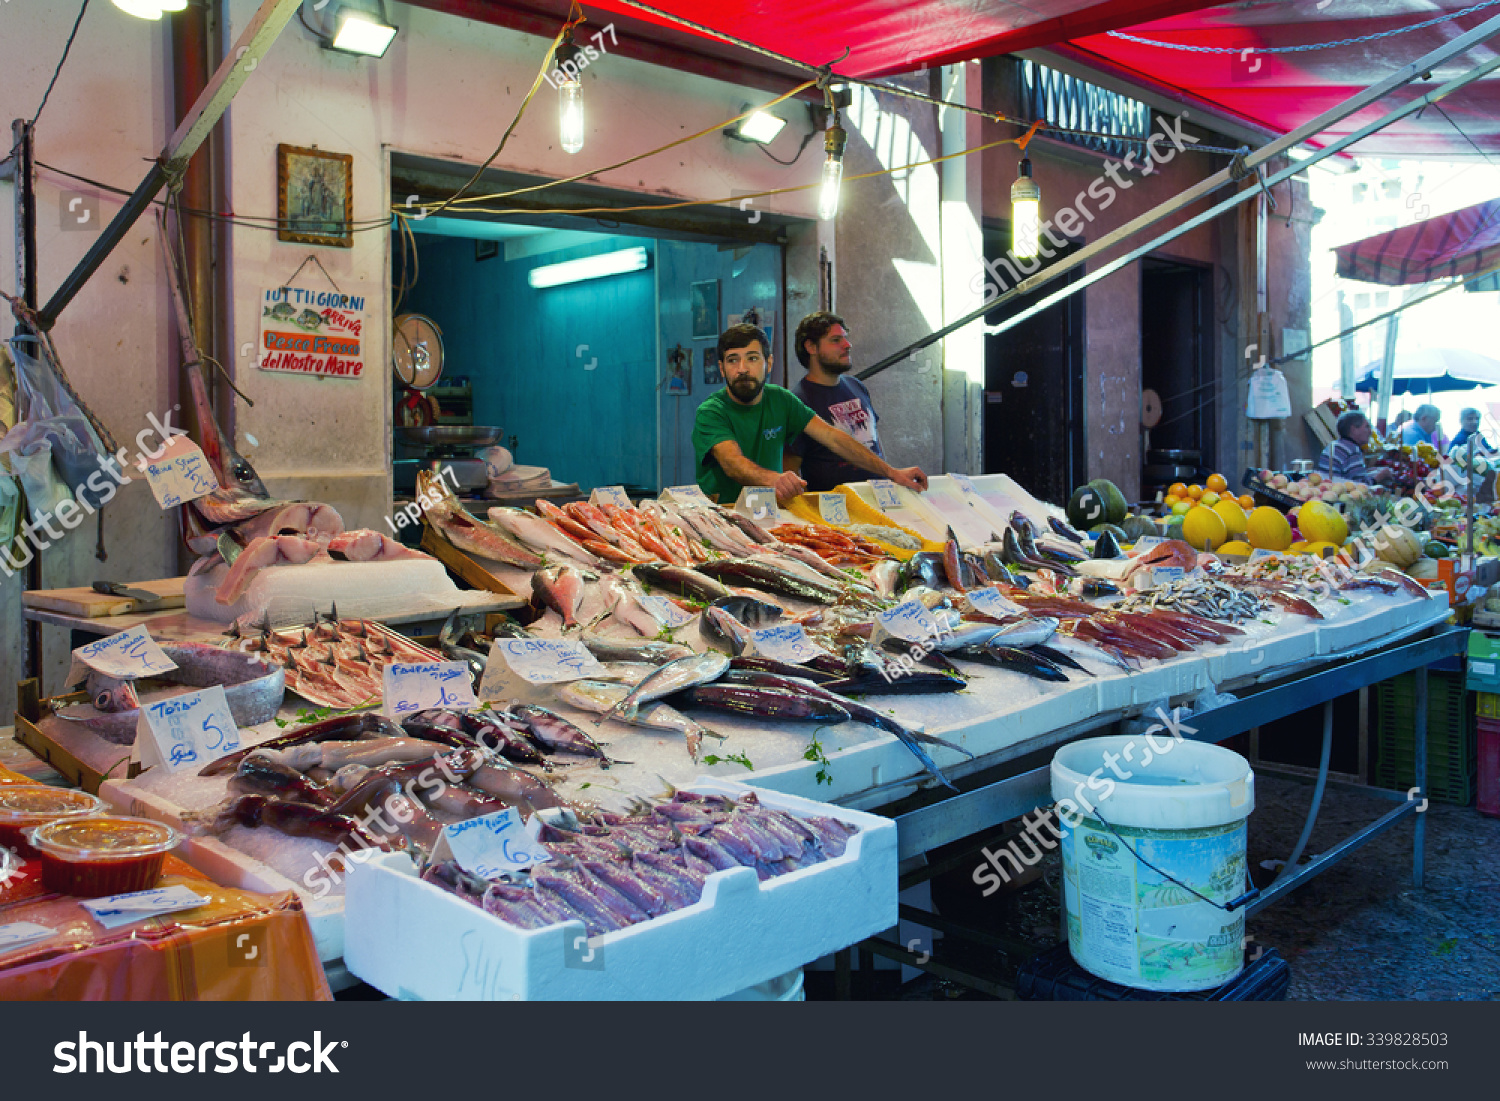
x=1006, y=793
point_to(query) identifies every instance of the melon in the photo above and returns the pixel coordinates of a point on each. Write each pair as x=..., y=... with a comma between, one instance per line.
x=1235, y=546
x=1088, y=508
x=1140, y=527
x=1233, y=516
x=1115, y=508
x=1267, y=529
x=1322, y=523
x=1203, y=528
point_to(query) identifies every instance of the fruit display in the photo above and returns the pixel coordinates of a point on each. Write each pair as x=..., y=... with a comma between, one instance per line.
x=1098, y=502
x=1319, y=487
x=1268, y=529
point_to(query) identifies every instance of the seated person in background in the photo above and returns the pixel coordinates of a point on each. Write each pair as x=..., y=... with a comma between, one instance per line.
x=1422, y=428
x=1348, y=452
x=1469, y=421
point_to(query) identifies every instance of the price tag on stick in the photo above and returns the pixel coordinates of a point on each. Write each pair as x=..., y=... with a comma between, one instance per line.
x=909, y=622
x=418, y=686
x=758, y=503
x=186, y=732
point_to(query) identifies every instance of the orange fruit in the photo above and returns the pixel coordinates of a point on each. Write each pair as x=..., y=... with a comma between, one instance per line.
x=1169, y=500
x=1178, y=490
x=1194, y=492
x=1247, y=502
x=1216, y=483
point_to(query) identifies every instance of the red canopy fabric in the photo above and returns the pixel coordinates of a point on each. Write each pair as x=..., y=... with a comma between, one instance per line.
x=1465, y=242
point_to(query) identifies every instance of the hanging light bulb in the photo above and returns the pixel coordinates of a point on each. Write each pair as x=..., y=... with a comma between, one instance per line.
x=833, y=170
x=149, y=9
x=1025, y=214
x=570, y=93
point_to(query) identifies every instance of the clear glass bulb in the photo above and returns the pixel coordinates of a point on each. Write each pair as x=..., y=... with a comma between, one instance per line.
x=571, y=104
x=1026, y=228
x=828, y=195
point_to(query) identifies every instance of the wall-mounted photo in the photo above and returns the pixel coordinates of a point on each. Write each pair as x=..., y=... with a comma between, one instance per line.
x=486, y=250
x=679, y=380
x=314, y=196
x=712, y=376
x=705, y=300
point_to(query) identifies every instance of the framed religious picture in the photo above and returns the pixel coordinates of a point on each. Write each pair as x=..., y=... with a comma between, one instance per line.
x=712, y=376
x=314, y=196
x=679, y=380
x=705, y=302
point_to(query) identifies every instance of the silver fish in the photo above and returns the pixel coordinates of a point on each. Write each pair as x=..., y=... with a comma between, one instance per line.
x=675, y=676
x=632, y=649
x=599, y=697
x=1028, y=632
x=884, y=576
x=723, y=632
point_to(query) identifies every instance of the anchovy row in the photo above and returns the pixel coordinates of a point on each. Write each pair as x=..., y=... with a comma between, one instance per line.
x=1202, y=596
x=612, y=871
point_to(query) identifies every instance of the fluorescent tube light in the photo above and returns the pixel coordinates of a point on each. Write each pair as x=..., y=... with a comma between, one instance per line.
x=589, y=267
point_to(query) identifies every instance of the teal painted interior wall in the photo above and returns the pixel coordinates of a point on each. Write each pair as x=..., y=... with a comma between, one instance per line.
x=569, y=370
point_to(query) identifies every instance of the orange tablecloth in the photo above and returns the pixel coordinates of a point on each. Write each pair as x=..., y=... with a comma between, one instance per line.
x=239, y=946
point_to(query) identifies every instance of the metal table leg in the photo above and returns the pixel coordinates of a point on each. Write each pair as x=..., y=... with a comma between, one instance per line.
x=1419, y=778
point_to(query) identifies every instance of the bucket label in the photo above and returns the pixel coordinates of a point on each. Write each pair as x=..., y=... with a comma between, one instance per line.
x=1135, y=926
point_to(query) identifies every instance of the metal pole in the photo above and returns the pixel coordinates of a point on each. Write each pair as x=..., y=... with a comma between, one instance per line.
x=1310, y=129
x=209, y=107
x=25, y=205
x=1419, y=777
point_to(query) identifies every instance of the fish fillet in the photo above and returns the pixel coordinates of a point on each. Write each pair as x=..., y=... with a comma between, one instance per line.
x=274, y=550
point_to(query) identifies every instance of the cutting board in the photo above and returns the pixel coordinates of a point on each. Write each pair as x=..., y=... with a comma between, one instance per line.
x=89, y=604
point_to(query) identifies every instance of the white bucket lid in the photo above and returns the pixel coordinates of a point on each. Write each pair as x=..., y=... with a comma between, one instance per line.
x=1156, y=782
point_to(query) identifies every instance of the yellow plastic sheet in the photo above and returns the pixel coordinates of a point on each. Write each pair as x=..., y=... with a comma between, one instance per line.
x=861, y=513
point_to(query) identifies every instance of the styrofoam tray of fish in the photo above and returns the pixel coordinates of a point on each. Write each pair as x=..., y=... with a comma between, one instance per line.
x=413, y=940
x=233, y=868
x=972, y=525
x=1004, y=495
x=913, y=513
x=1155, y=680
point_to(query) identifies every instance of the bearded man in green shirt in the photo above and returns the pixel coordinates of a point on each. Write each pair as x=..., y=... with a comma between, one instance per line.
x=739, y=433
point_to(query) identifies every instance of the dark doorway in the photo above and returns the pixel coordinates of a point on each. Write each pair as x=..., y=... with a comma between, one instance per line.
x=1177, y=363
x=1033, y=387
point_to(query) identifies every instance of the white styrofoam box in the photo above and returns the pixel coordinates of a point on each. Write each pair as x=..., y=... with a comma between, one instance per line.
x=913, y=513
x=232, y=868
x=1179, y=676
x=1376, y=618
x=1292, y=640
x=952, y=508
x=413, y=940
x=1005, y=495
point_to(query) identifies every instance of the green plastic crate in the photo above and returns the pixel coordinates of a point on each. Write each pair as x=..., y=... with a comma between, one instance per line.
x=1484, y=662
x=1452, y=737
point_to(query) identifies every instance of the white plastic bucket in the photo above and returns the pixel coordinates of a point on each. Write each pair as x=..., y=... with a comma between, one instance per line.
x=783, y=988
x=1180, y=805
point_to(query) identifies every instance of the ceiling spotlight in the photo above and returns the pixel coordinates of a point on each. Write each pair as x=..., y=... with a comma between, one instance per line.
x=360, y=32
x=149, y=9
x=760, y=127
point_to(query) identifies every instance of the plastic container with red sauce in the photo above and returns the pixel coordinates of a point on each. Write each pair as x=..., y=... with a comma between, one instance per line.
x=24, y=806
x=103, y=855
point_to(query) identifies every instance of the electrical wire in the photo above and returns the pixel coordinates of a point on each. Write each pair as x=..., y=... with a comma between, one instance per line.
x=806, y=141
x=60, y=61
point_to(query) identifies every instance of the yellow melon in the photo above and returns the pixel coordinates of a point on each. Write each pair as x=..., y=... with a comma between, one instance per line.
x=1267, y=529
x=1321, y=547
x=1203, y=528
x=1320, y=522
x=1233, y=516
x=1235, y=546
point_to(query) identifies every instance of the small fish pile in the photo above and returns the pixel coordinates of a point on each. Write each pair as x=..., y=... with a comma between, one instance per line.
x=894, y=537
x=611, y=871
x=1203, y=597
x=331, y=662
x=653, y=532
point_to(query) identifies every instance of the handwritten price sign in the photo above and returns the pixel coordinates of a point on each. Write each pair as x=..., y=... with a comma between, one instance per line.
x=664, y=611
x=547, y=660
x=886, y=495
x=139, y=905
x=989, y=602
x=179, y=473
x=610, y=495
x=19, y=933
x=787, y=642
x=965, y=485
x=910, y=622
x=494, y=844
x=419, y=686
x=128, y=654
x=758, y=503
x=185, y=732
x=833, y=508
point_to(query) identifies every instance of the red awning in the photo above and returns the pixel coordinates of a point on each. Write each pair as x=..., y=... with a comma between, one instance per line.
x=1275, y=91
x=1463, y=243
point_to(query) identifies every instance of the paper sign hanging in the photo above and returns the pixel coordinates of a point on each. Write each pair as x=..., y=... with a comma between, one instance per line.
x=494, y=845
x=545, y=660
x=787, y=642
x=183, y=732
x=310, y=332
x=886, y=495
x=420, y=686
x=179, y=472
x=126, y=655
x=610, y=495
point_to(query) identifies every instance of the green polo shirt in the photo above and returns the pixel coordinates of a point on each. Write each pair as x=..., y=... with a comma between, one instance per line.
x=762, y=430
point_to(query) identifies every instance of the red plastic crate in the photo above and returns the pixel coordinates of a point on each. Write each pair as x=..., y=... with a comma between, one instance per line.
x=1489, y=767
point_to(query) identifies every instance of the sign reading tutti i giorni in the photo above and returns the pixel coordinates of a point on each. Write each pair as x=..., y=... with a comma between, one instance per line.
x=309, y=332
